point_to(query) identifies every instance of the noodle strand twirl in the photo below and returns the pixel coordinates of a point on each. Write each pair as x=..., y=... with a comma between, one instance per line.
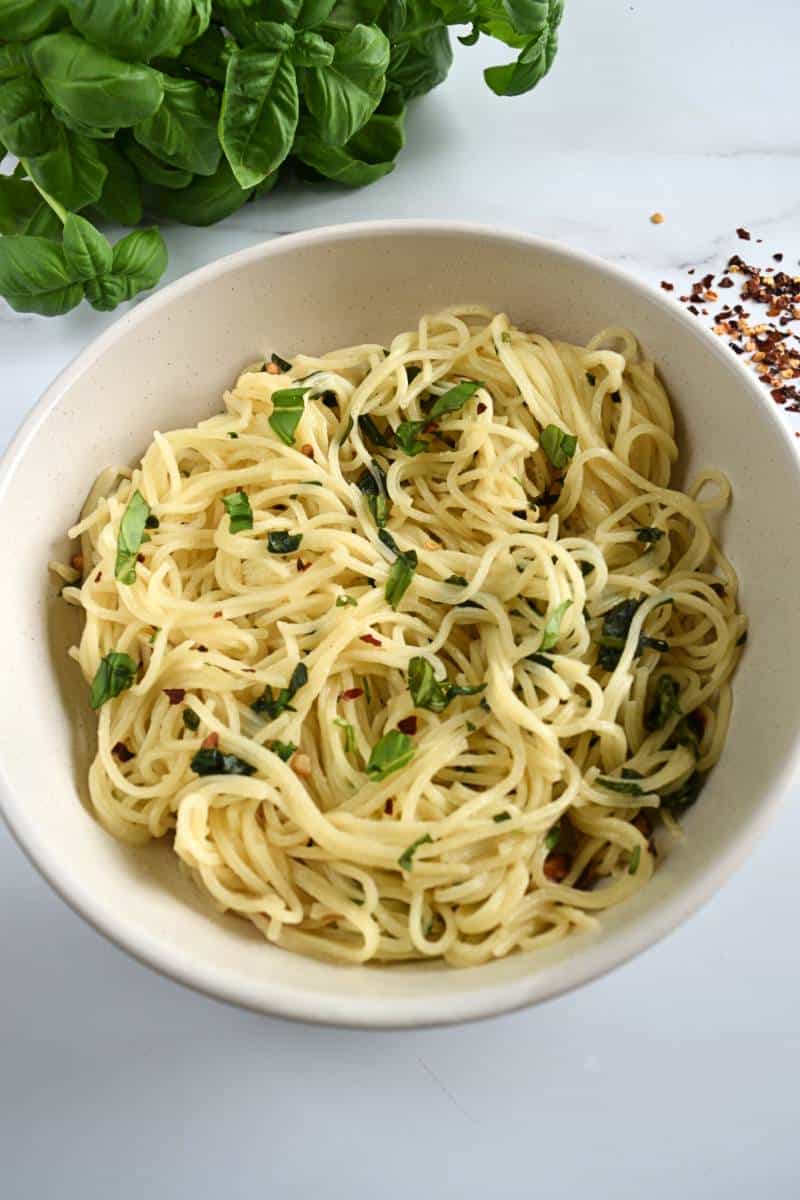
x=409, y=650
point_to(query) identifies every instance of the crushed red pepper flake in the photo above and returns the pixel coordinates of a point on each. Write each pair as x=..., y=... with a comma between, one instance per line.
x=368, y=637
x=352, y=694
x=121, y=751
x=211, y=742
x=408, y=725
x=175, y=695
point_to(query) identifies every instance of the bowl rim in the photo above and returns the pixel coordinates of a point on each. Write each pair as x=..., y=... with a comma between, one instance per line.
x=377, y=1011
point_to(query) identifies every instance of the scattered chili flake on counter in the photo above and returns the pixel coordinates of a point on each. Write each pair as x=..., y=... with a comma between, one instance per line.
x=769, y=340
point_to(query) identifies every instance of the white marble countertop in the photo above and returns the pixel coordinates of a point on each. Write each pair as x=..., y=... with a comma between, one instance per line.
x=675, y=1076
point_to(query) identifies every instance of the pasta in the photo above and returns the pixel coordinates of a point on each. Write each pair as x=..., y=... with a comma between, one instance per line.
x=410, y=649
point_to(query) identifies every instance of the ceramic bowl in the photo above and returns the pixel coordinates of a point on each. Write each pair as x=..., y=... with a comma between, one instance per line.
x=166, y=363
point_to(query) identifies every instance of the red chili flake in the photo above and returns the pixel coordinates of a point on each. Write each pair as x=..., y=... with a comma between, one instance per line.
x=388, y=807
x=408, y=725
x=743, y=234
x=556, y=866
x=302, y=566
x=211, y=742
x=352, y=694
x=481, y=407
x=98, y=576
x=140, y=558
x=308, y=450
x=668, y=287
x=176, y=695
x=368, y=637
x=217, y=615
x=725, y=282
x=121, y=751
x=202, y=649
x=693, y=309
x=778, y=257
x=272, y=368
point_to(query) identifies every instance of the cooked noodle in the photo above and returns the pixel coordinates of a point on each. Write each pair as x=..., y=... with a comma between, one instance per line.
x=523, y=809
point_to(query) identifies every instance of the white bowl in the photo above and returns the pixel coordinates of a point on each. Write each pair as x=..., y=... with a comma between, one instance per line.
x=166, y=363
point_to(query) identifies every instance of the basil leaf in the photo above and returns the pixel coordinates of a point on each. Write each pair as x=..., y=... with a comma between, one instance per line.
x=686, y=794
x=35, y=277
x=421, y=51
x=430, y=693
x=237, y=506
x=25, y=19
x=373, y=434
x=399, y=578
x=26, y=123
x=408, y=439
x=553, y=837
x=272, y=706
x=87, y=252
x=19, y=200
x=71, y=170
x=129, y=538
x=626, y=787
x=212, y=761
x=372, y=482
x=282, y=364
x=208, y=199
x=208, y=56
x=345, y=601
x=542, y=660
x=349, y=735
x=115, y=674
x=649, y=533
x=394, y=751
x=406, y=858
x=542, y=19
x=183, y=130
x=287, y=409
x=190, y=719
x=343, y=95
x=498, y=818
x=139, y=260
x=154, y=170
x=664, y=704
x=636, y=855
x=552, y=628
x=284, y=750
x=369, y=155
x=91, y=85
x=120, y=201
x=454, y=399
x=281, y=542
x=311, y=50
x=258, y=119
x=616, y=624
x=457, y=581
x=140, y=29
x=558, y=445
x=105, y=292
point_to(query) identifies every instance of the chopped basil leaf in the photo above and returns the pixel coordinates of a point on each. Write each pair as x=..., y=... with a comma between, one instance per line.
x=457, y=580
x=664, y=705
x=498, y=818
x=407, y=856
x=686, y=794
x=454, y=399
x=115, y=674
x=190, y=719
x=649, y=533
x=284, y=750
x=349, y=735
x=633, y=865
x=271, y=706
x=616, y=624
x=431, y=693
x=367, y=692
x=552, y=629
x=505, y=336
x=542, y=660
x=626, y=787
x=152, y=522
x=280, y=363
x=394, y=751
x=233, y=435
x=412, y=373
x=130, y=537
x=553, y=837
x=408, y=439
x=281, y=542
x=287, y=409
x=402, y=570
x=558, y=445
x=372, y=482
x=344, y=601
x=212, y=761
x=586, y=568
x=348, y=429
x=238, y=509
x=373, y=434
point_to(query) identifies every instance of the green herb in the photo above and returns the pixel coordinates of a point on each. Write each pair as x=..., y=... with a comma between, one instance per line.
x=394, y=751
x=233, y=435
x=190, y=719
x=348, y=429
x=664, y=703
x=367, y=692
x=373, y=434
x=553, y=837
x=281, y=363
x=586, y=568
x=281, y=542
x=402, y=570
x=406, y=858
x=284, y=750
x=238, y=509
x=130, y=537
x=408, y=439
x=627, y=787
x=633, y=865
x=457, y=581
x=214, y=762
x=372, y=483
x=349, y=735
x=542, y=660
x=287, y=409
x=616, y=624
x=430, y=693
x=558, y=445
x=152, y=522
x=345, y=601
x=649, y=533
x=454, y=399
x=115, y=674
x=552, y=628
x=272, y=705
x=498, y=818
x=505, y=336
x=686, y=794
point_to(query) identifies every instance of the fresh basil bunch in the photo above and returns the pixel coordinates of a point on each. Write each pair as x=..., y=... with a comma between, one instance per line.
x=186, y=109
